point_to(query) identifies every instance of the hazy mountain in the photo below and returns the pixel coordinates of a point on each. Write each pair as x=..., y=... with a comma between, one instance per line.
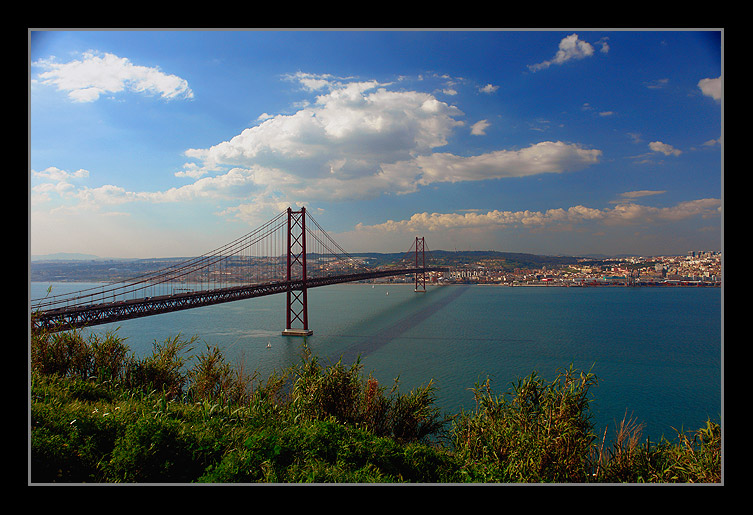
x=64, y=256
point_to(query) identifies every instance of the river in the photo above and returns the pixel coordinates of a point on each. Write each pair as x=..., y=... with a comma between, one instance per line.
x=657, y=352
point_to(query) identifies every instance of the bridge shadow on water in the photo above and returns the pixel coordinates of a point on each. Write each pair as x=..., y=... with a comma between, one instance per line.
x=372, y=343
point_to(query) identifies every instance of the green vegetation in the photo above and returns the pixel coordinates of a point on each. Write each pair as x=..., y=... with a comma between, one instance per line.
x=98, y=414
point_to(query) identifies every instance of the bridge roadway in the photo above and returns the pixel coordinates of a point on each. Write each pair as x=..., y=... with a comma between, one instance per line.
x=63, y=319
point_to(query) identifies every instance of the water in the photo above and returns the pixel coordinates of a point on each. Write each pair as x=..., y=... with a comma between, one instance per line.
x=657, y=352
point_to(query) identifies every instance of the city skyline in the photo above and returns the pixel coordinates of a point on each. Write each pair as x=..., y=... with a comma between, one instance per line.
x=167, y=143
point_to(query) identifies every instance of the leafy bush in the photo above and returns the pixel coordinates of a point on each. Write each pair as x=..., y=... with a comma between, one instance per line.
x=536, y=432
x=326, y=451
x=695, y=457
x=98, y=414
x=152, y=450
x=163, y=370
x=341, y=393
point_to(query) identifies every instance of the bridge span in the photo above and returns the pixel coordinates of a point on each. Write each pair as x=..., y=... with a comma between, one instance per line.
x=62, y=319
x=271, y=260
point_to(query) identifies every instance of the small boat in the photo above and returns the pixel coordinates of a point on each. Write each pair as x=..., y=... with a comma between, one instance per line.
x=269, y=345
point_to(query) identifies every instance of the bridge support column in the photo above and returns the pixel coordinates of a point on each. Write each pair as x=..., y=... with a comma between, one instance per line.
x=297, y=302
x=420, y=277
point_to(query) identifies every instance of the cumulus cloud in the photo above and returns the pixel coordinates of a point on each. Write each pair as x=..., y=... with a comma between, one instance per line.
x=667, y=150
x=53, y=180
x=479, y=128
x=711, y=88
x=53, y=173
x=625, y=213
x=359, y=139
x=97, y=74
x=349, y=131
x=356, y=140
x=570, y=48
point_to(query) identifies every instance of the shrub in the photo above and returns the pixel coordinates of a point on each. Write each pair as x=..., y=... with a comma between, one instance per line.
x=211, y=377
x=63, y=354
x=109, y=356
x=163, y=370
x=341, y=392
x=100, y=415
x=74, y=425
x=537, y=432
x=153, y=450
x=326, y=451
x=694, y=457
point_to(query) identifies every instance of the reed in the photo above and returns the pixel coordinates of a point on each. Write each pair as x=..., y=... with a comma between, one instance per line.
x=534, y=432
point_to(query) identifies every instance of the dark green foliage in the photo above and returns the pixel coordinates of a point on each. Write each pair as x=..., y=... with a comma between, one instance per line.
x=694, y=457
x=163, y=370
x=154, y=449
x=536, y=432
x=339, y=392
x=100, y=415
x=325, y=451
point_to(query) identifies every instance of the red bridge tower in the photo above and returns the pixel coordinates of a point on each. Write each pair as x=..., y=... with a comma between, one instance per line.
x=297, y=304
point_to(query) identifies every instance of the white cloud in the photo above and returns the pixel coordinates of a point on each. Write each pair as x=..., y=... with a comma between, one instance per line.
x=351, y=129
x=604, y=45
x=108, y=194
x=56, y=174
x=489, y=88
x=667, y=150
x=711, y=87
x=401, y=177
x=571, y=47
x=641, y=193
x=479, y=128
x=192, y=170
x=357, y=140
x=543, y=157
x=97, y=74
x=626, y=213
x=54, y=180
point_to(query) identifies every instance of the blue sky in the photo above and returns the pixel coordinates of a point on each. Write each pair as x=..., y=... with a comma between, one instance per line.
x=172, y=143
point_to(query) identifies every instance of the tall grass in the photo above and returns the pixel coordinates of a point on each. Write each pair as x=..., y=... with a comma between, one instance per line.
x=536, y=432
x=340, y=392
x=99, y=414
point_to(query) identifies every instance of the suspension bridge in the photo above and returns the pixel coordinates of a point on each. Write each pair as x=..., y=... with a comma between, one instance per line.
x=288, y=254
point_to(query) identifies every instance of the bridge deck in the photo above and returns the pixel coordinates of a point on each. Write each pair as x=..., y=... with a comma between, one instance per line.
x=63, y=319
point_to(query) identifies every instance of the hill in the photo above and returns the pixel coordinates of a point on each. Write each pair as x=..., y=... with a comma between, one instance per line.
x=83, y=268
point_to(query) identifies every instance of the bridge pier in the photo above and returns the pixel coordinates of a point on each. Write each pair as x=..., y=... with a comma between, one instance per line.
x=297, y=302
x=297, y=332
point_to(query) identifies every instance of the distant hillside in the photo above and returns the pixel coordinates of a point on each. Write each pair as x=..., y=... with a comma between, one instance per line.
x=522, y=260
x=84, y=267
x=470, y=257
x=64, y=256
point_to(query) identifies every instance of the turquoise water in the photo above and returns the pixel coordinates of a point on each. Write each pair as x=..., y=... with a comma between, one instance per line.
x=656, y=351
